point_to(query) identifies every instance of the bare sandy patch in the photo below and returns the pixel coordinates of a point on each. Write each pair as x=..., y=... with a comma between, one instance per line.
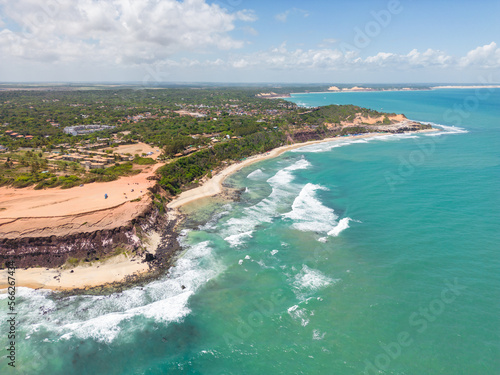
x=139, y=149
x=31, y=203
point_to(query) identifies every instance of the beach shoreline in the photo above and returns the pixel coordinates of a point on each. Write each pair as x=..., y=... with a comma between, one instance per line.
x=118, y=268
x=214, y=186
x=430, y=88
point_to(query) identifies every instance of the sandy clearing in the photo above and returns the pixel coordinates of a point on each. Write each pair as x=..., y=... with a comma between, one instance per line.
x=137, y=148
x=28, y=202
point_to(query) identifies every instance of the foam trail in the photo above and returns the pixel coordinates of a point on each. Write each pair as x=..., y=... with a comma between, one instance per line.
x=308, y=213
x=310, y=280
x=256, y=175
x=239, y=229
x=446, y=130
x=328, y=146
x=341, y=226
x=103, y=318
x=212, y=223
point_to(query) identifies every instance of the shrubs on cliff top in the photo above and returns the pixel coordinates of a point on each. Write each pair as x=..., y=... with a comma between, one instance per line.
x=144, y=161
x=184, y=170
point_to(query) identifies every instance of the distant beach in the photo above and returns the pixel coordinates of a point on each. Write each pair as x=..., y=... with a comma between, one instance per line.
x=337, y=90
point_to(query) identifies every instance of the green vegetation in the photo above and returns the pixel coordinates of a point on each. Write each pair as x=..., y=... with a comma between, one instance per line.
x=335, y=114
x=144, y=161
x=196, y=129
x=72, y=262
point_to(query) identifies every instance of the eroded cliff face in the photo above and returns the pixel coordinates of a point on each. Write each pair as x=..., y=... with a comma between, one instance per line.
x=333, y=130
x=86, y=241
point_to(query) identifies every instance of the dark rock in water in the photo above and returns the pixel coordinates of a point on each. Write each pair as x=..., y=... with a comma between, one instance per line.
x=183, y=287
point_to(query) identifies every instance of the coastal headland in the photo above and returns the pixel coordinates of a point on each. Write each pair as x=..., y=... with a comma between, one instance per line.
x=101, y=233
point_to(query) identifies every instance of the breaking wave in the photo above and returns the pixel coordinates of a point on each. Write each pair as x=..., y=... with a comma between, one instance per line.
x=238, y=229
x=103, y=318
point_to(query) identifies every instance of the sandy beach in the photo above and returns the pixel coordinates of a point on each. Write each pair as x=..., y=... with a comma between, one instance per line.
x=111, y=270
x=467, y=87
x=214, y=185
x=117, y=268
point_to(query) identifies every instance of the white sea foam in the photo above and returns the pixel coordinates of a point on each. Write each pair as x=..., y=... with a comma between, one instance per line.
x=446, y=130
x=103, y=318
x=317, y=335
x=212, y=223
x=299, y=314
x=256, y=175
x=309, y=280
x=328, y=146
x=394, y=137
x=308, y=213
x=239, y=229
x=341, y=226
x=322, y=147
x=273, y=252
x=239, y=238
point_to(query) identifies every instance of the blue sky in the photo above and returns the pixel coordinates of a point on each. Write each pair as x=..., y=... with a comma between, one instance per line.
x=331, y=41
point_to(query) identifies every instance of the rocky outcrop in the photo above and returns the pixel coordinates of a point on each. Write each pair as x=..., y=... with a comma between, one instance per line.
x=88, y=242
x=402, y=127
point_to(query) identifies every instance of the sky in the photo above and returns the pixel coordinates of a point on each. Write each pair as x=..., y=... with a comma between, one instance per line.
x=250, y=41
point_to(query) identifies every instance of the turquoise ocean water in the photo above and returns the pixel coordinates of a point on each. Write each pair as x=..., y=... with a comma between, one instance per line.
x=349, y=257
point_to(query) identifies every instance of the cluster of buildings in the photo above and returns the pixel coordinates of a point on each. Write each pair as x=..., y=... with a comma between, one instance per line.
x=13, y=134
x=140, y=117
x=86, y=129
x=53, y=123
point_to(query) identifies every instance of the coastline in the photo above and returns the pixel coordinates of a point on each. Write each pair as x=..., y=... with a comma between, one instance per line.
x=115, y=269
x=471, y=87
x=118, y=268
x=214, y=185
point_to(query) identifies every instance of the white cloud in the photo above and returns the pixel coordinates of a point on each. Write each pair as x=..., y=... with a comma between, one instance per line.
x=246, y=15
x=283, y=17
x=487, y=56
x=250, y=31
x=121, y=31
x=328, y=42
x=334, y=59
